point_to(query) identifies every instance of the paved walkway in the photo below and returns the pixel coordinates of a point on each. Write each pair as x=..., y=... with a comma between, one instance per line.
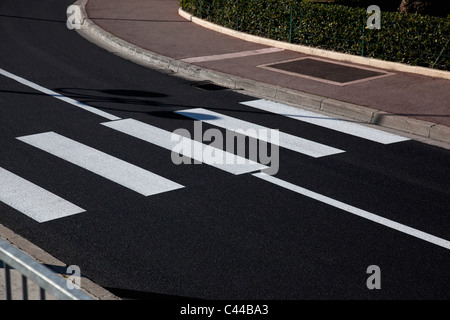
x=155, y=25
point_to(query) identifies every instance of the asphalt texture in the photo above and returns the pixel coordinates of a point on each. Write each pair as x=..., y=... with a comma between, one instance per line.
x=222, y=236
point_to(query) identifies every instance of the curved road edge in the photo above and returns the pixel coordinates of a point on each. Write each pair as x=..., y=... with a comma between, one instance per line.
x=424, y=131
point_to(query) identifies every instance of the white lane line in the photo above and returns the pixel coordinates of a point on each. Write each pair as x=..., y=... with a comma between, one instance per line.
x=249, y=129
x=358, y=212
x=32, y=200
x=232, y=55
x=187, y=147
x=347, y=127
x=59, y=96
x=109, y=167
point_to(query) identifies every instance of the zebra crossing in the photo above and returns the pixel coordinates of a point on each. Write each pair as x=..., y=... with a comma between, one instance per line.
x=43, y=206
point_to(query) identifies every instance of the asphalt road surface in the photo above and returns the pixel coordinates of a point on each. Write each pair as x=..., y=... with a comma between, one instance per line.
x=87, y=174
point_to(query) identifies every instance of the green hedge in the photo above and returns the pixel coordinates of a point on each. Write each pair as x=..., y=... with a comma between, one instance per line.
x=407, y=38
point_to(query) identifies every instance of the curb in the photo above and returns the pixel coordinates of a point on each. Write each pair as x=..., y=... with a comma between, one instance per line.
x=91, y=288
x=92, y=32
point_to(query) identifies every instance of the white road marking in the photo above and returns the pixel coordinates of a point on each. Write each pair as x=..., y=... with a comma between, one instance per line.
x=286, y=140
x=32, y=200
x=163, y=138
x=358, y=212
x=107, y=166
x=232, y=55
x=317, y=119
x=59, y=96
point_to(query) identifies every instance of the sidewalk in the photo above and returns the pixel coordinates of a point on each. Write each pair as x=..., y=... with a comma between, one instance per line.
x=153, y=30
x=46, y=259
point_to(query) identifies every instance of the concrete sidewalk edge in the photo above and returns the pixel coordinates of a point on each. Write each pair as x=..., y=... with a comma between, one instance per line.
x=88, y=286
x=129, y=51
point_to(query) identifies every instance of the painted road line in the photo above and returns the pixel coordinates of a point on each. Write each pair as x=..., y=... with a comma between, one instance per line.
x=317, y=119
x=32, y=200
x=249, y=129
x=232, y=55
x=358, y=212
x=59, y=96
x=109, y=167
x=190, y=148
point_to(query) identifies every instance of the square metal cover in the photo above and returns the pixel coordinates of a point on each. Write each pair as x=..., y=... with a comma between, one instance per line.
x=336, y=73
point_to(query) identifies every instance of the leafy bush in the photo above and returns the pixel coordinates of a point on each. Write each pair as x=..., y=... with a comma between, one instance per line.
x=407, y=38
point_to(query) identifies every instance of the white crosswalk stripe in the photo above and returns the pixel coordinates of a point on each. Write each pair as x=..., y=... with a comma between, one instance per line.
x=194, y=149
x=32, y=200
x=109, y=167
x=317, y=119
x=286, y=140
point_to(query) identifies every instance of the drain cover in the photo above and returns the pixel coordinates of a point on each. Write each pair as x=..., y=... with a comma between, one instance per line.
x=317, y=69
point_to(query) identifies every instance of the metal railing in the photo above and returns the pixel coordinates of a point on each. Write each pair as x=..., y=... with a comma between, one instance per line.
x=48, y=281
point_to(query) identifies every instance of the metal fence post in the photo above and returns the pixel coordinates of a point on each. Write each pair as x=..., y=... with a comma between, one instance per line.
x=363, y=31
x=29, y=268
x=8, y=281
x=237, y=15
x=24, y=288
x=290, y=25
